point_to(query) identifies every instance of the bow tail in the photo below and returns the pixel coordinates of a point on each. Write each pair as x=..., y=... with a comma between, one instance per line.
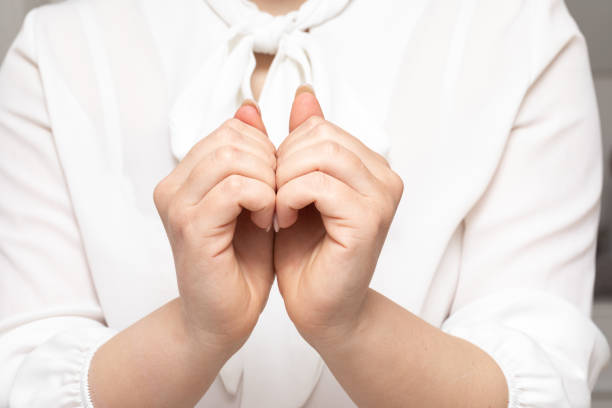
x=296, y=63
x=351, y=112
x=212, y=96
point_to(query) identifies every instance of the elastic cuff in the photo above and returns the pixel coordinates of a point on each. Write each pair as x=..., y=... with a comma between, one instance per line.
x=55, y=374
x=87, y=357
x=549, y=351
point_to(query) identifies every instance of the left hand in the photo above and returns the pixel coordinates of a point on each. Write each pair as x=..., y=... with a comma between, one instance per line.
x=325, y=257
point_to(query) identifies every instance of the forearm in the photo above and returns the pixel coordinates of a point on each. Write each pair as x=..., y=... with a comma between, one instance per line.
x=155, y=363
x=395, y=359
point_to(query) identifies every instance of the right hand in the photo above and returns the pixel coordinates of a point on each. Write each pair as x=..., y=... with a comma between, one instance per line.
x=223, y=259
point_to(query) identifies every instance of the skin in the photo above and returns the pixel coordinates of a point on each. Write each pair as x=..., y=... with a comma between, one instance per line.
x=262, y=66
x=217, y=207
x=278, y=7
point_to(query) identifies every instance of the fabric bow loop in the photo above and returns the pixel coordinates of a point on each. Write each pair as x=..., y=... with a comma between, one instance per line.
x=266, y=38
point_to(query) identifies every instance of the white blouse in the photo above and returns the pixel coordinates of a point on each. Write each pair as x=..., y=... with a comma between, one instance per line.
x=485, y=108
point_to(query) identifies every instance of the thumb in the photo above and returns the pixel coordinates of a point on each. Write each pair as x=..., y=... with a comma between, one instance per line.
x=305, y=105
x=249, y=113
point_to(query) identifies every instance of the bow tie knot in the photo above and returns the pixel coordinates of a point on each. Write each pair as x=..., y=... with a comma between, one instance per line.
x=267, y=36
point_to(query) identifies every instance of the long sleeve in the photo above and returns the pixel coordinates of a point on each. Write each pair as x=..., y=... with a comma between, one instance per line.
x=528, y=263
x=50, y=318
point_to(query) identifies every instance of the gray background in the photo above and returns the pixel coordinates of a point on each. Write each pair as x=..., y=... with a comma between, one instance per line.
x=595, y=20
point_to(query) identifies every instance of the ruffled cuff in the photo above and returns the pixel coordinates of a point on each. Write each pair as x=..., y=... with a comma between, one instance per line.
x=531, y=377
x=55, y=374
x=549, y=352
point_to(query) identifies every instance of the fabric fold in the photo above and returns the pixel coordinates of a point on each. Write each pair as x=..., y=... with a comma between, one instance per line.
x=58, y=370
x=224, y=79
x=535, y=360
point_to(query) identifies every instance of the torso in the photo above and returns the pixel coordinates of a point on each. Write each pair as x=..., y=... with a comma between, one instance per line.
x=403, y=76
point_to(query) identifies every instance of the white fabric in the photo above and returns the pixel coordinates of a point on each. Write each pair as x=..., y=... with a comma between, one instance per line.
x=486, y=109
x=298, y=60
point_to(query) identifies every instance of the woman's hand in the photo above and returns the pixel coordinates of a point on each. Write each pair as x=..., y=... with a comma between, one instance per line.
x=325, y=257
x=223, y=259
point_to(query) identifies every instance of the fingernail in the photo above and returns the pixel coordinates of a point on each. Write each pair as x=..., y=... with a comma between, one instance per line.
x=275, y=222
x=250, y=102
x=269, y=227
x=304, y=88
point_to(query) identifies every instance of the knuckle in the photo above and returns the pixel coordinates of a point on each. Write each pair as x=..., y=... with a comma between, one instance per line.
x=356, y=163
x=178, y=217
x=198, y=174
x=232, y=123
x=233, y=137
x=331, y=148
x=327, y=127
x=396, y=185
x=381, y=158
x=238, y=127
x=161, y=193
x=320, y=128
x=201, y=168
x=233, y=184
x=319, y=181
x=227, y=154
x=225, y=131
x=313, y=121
x=271, y=148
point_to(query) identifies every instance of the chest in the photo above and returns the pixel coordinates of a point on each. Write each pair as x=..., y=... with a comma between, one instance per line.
x=444, y=144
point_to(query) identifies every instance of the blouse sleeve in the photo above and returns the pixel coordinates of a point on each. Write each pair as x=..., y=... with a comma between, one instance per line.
x=50, y=318
x=525, y=289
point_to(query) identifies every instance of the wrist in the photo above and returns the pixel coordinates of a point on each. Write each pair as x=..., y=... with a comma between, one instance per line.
x=200, y=343
x=344, y=335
